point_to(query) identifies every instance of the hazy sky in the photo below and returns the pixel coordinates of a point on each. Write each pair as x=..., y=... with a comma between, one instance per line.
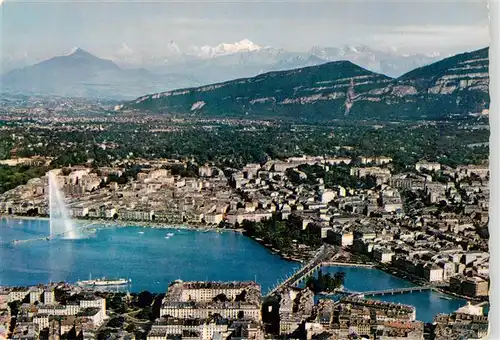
x=39, y=29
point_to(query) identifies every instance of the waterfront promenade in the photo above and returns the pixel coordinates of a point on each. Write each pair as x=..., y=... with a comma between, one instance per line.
x=120, y=223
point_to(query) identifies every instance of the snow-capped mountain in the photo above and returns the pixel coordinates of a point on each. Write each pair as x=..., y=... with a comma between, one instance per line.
x=246, y=58
x=223, y=49
x=390, y=62
x=127, y=56
x=173, y=67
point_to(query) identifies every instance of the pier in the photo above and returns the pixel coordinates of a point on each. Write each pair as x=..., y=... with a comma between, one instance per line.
x=48, y=238
x=31, y=240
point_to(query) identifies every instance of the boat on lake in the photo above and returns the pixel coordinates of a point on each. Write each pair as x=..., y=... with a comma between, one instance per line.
x=103, y=282
x=445, y=297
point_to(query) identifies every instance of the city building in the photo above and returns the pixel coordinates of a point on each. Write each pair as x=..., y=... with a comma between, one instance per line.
x=470, y=286
x=200, y=299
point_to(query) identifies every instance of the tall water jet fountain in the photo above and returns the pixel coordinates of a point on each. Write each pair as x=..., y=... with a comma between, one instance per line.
x=60, y=222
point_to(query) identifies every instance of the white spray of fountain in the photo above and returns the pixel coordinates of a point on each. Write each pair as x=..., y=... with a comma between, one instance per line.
x=60, y=222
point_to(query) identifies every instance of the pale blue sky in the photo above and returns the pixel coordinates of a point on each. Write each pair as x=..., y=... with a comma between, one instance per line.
x=40, y=29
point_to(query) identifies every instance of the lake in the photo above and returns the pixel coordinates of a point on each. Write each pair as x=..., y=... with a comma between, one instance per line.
x=152, y=259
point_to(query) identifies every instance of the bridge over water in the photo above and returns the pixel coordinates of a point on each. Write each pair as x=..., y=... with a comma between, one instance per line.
x=346, y=264
x=324, y=256
x=392, y=291
x=400, y=290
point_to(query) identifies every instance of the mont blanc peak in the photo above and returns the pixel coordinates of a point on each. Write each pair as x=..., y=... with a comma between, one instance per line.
x=244, y=45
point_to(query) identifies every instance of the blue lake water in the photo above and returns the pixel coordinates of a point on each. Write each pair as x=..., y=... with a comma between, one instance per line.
x=152, y=261
x=365, y=279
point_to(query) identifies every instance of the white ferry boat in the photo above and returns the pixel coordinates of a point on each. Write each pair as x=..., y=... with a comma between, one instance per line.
x=104, y=282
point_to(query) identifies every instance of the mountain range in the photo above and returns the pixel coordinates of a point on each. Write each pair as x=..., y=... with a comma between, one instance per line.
x=245, y=59
x=455, y=86
x=81, y=74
